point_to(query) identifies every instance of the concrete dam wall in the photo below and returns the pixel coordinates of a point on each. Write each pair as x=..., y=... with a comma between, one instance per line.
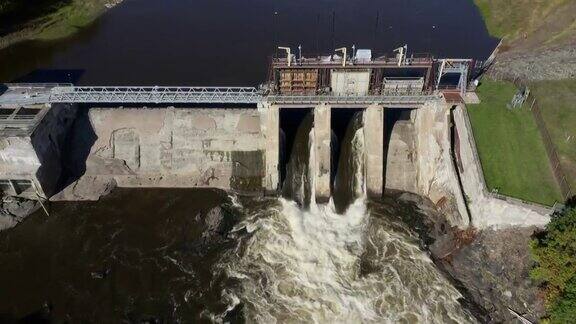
x=81, y=153
x=166, y=147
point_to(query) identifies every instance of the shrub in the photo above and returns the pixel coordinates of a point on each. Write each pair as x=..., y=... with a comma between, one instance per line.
x=555, y=254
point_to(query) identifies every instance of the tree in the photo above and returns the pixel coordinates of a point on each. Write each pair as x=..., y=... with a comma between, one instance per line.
x=555, y=254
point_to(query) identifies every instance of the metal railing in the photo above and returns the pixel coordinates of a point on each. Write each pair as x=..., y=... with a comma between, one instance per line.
x=391, y=100
x=197, y=95
x=239, y=95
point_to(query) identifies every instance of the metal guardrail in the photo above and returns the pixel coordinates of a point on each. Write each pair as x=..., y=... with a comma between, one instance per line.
x=241, y=95
x=38, y=94
x=401, y=100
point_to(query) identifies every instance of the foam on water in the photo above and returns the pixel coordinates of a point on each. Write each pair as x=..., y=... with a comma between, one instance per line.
x=315, y=265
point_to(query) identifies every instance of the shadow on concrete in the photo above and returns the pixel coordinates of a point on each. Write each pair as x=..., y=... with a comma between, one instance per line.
x=391, y=117
x=77, y=148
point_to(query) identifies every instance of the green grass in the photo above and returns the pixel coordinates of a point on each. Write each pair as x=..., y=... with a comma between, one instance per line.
x=557, y=101
x=68, y=19
x=511, y=150
x=514, y=18
x=57, y=19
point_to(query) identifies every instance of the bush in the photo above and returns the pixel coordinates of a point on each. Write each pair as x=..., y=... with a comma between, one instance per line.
x=555, y=254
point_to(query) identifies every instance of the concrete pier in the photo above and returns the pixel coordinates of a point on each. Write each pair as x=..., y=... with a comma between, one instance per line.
x=374, y=142
x=322, y=136
x=270, y=126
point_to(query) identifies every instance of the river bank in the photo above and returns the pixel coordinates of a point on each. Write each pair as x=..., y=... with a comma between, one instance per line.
x=489, y=267
x=58, y=20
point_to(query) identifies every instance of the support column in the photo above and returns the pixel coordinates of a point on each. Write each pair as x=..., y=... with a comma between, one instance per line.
x=270, y=125
x=322, y=136
x=374, y=145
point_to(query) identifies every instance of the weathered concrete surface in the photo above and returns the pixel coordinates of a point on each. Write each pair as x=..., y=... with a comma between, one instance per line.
x=374, y=141
x=37, y=157
x=14, y=209
x=436, y=174
x=486, y=210
x=322, y=137
x=172, y=147
x=400, y=159
x=270, y=115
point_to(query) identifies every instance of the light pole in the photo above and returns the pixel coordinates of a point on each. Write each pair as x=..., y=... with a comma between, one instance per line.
x=343, y=50
x=288, y=53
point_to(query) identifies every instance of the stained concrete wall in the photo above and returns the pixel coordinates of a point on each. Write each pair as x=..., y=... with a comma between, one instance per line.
x=374, y=141
x=322, y=154
x=37, y=157
x=436, y=176
x=270, y=121
x=401, y=156
x=172, y=147
x=486, y=209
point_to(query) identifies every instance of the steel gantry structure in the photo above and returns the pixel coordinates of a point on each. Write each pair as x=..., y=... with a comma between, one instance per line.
x=38, y=94
x=157, y=95
x=28, y=94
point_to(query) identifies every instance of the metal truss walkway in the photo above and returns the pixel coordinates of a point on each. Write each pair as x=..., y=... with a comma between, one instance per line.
x=38, y=94
x=157, y=95
x=396, y=100
x=27, y=94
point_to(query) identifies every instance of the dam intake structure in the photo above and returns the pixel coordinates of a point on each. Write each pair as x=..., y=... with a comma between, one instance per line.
x=65, y=142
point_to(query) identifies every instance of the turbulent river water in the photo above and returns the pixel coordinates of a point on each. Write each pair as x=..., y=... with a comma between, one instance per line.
x=202, y=255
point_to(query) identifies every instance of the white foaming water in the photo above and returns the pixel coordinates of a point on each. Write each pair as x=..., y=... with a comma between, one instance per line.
x=315, y=265
x=305, y=266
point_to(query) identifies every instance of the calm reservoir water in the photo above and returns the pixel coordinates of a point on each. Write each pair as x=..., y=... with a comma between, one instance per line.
x=189, y=256
x=228, y=42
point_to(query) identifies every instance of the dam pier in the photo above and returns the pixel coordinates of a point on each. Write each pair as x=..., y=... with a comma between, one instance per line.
x=66, y=142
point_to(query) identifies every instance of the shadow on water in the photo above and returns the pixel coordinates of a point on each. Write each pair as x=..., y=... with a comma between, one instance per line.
x=33, y=61
x=114, y=260
x=52, y=76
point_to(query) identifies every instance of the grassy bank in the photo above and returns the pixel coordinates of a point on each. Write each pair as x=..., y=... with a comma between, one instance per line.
x=51, y=19
x=557, y=101
x=546, y=20
x=511, y=150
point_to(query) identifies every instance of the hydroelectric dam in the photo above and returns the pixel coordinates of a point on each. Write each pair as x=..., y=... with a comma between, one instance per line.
x=66, y=142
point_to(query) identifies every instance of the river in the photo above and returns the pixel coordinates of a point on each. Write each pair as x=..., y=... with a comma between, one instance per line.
x=167, y=256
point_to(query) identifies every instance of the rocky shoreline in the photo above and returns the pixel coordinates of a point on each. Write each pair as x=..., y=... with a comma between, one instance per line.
x=553, y=63
x=489, y=267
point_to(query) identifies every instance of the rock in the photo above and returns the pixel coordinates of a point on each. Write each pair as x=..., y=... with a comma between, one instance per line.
x=494, y=271
x=560, y=63
x=489, y=267
x=14, y=209
x=19, y=208
x=213, y=220
x=90, y=188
